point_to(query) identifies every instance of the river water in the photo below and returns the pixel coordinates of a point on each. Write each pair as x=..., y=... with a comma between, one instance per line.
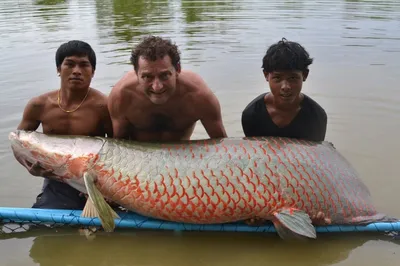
x=356, y=47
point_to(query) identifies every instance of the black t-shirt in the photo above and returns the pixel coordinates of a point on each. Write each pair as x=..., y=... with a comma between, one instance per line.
x=309, y=123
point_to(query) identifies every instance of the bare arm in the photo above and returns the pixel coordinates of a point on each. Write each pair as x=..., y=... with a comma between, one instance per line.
x=31, y=120
x=116, y=107
x=31, y=117
x=106, y=118
x=211, y=117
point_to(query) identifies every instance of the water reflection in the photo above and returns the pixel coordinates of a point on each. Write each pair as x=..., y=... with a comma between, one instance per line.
x=49, y=2
x=130, y=19
x=371, y=10
x=353, y=43
x=202, y=10
x=52, y=12
x=191, y=248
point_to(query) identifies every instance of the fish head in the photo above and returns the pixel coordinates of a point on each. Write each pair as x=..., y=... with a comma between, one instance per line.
x=65, y=156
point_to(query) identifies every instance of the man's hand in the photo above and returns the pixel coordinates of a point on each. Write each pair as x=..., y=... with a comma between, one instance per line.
x=256, y=221
x=320, y=219
x=35, y=169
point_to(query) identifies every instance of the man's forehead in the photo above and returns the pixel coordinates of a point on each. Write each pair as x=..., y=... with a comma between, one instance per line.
x=152, y=67
x=76, y=58
x=154, y=70
x=163, y=62
x=287, y=72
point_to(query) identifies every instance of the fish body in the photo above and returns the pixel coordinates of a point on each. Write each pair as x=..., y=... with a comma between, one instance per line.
x=224, y=180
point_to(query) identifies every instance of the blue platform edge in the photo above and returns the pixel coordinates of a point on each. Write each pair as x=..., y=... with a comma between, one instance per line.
x=136, y=221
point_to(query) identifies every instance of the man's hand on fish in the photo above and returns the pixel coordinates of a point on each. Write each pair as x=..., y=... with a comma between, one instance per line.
x=320, y=219
x=34, y=168
x=256, y=221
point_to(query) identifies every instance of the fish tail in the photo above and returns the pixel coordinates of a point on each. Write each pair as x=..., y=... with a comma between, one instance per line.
x=377, y=218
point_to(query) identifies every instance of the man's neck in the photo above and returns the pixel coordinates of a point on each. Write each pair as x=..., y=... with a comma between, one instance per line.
x=69, y=96
x=285, y=107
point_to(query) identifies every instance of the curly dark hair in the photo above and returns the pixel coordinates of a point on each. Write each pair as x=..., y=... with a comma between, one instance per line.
x=286, y=55
x=153, y=48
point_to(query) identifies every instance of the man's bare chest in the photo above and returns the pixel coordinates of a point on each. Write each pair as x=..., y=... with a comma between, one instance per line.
x=76, y=123
x=162, y=121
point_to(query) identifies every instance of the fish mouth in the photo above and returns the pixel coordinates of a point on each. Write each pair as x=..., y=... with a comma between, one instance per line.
x=13, y=136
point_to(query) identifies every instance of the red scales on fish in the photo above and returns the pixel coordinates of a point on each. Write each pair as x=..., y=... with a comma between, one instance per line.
x=286, y=181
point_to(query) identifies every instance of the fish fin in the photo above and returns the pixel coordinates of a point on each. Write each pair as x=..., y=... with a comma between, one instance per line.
x=114, y=214
x=89, y=210
x=102, y=210
x=293, y=223
x=285, y=233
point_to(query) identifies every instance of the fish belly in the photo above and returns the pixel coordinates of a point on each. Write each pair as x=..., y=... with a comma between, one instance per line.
x=218, y=181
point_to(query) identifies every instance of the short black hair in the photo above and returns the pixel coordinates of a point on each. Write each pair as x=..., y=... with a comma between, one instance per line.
x=75, y=48
x=286, y=56
x=153, y=48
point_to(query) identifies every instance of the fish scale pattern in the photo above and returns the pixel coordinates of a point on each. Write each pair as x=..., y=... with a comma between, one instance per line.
x=216, y=181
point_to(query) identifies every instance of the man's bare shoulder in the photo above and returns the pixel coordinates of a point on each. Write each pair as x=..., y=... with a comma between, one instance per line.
x=196, y=88
x=193, y=82
x=40, y=101
x=208, y=108
x=98, y=99
x=98, y=95
x=122, y=94
x=125, y=85
x=35, y=108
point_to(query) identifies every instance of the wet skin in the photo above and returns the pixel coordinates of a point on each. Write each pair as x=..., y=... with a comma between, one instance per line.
x=90, y=119
x=161, y=103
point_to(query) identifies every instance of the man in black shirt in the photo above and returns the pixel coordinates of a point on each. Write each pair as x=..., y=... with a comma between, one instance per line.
x=285, y=111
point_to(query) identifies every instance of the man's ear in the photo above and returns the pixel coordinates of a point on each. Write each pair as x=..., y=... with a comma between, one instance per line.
x=178, y=67
x=58, y=71
x=305, y=74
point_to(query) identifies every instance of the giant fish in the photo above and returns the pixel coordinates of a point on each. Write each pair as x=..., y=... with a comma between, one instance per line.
x=282, y=180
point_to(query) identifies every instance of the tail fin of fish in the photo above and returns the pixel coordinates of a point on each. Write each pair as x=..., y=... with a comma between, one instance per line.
x=377, y=218
x=96, y=205
x=294, y=224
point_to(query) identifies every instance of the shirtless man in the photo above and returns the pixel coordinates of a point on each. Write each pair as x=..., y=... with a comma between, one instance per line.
x=157, y=101
x=74, y=109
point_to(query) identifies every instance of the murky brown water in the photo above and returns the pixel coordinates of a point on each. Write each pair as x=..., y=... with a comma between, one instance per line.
x=356, y=46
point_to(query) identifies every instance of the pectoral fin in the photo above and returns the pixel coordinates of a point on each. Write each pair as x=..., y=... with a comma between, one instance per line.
x=96, y=205
x=293, y=223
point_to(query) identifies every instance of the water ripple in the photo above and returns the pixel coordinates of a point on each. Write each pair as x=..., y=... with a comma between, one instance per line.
x=355, y=45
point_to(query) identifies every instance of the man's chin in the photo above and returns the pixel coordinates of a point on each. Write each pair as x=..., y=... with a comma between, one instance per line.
x=287, y=99
x=78, y=86
x=159, y=100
